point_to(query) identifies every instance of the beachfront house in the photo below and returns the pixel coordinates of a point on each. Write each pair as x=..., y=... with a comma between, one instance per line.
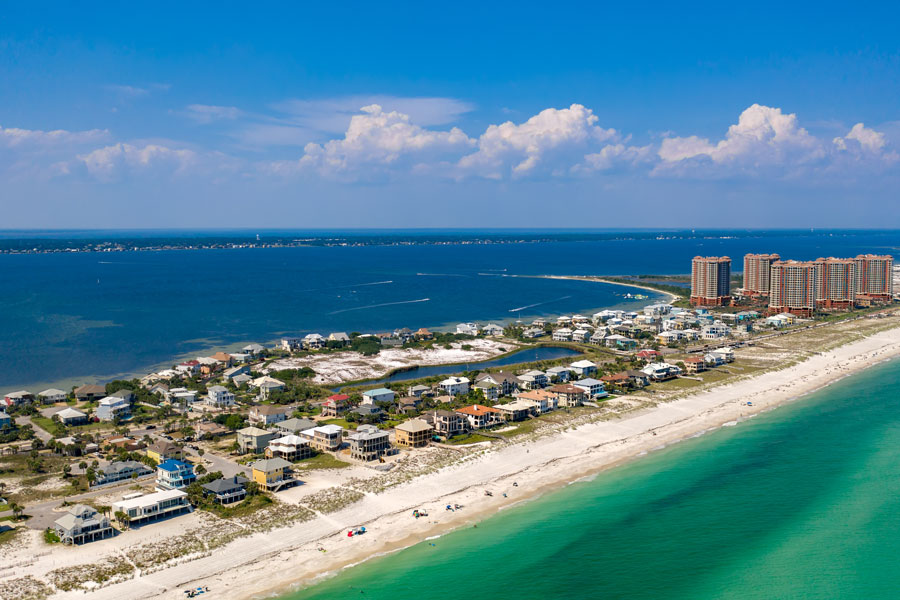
x=324, y=438
x=254, y=349
x=174, y=475
x=144, y=508
x=518, y=410
x=227, y=490
x=339, y=337
x=52, y=396
x=219, y=397
x=272, y=474
x=368, y=443
x=455, y=386
x=594, y=388
x=414, y=433
x=661, y=371
x=378, y=395
x=113, y=408
x=694, y=365
x=726, y=354
x=336, y=405
x=447, y=423
x=289, y=447
x=267, y=414
x=568, y=395
x=82, y=524
x=314, y=341
x=479, y=417
x=290, y=344
x=254, y=440
x=543, y=399
x=71, y=416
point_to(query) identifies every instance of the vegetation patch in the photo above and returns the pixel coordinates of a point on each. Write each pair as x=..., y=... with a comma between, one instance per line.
x=90, y=576
x=332, y=499
x=24, y=588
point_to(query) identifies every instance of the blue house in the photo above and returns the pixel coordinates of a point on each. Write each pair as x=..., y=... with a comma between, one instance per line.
x=174, y=475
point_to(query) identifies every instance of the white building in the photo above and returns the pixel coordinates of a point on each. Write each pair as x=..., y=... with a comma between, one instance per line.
x=467, y=328
x=153, y=506
x=563, y=334
x=219, y=396
x=378, y=395
x=455, y=386
x=492, y=330
x=583, y=368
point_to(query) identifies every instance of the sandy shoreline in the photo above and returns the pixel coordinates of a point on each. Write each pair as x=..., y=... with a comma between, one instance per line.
x=277, y=561
x=669, y=296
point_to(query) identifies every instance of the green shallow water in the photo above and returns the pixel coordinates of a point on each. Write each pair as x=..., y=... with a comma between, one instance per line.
x=802, y=502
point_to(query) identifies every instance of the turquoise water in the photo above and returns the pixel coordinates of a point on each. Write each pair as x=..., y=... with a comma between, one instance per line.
x=801, y=502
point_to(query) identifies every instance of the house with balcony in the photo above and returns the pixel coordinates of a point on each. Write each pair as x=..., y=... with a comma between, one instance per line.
x=267, y=414
x=594, y=388
x=324, y=438
x=583, y=368
x=414, y=433
x=254, y=440
x=174, y=475
x=368, y=443
x=336, y=405
x=289, y=447
x=227, y=490
x=272, y=474
x=455, y=386
x=507, y=381
x=150, y=507
x=568, y=395
x=121, y=470
x=447, y=423
x=378, y=395
x=533, y=380
x=113, y=408
x=219, y=397
x=82, y=524
x=479, y=417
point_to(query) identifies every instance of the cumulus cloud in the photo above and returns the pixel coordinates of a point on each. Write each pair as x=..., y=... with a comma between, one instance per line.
x=763, y=136
x=549, y=139
x=866, y=139
x=13, y=137
x=207, y=113
x=111, y=161
x=380, y=139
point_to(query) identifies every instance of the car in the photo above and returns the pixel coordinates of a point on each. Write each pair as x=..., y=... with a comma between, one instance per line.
x=150, y=427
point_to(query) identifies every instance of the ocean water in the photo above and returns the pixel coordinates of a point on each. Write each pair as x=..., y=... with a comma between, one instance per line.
x=800, y=502
x=67, y=318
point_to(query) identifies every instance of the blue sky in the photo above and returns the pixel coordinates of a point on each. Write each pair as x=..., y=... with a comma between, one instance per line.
x=475, y=114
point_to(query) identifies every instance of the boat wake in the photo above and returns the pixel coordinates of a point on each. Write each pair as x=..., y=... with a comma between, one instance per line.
x=343, y=310
x=538, y=304
x=342, y=287
x=441, y=275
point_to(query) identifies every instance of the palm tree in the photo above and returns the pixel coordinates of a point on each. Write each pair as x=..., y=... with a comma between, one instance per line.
x=17, y=509
x=123, y=518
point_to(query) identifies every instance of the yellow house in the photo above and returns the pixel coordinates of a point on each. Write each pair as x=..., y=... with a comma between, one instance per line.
x=163, y=450
x=414, y=433
x=272, y=474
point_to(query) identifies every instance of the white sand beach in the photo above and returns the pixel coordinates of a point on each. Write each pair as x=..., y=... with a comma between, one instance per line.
x=274, y=561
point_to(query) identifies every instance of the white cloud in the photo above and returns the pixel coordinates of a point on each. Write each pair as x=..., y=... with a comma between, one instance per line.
x=111, y=161
x=866, y=139
x=133, y=91
x=763, y=136
x=617, y=156
x=12, y=137
x=379, y=139
x=554, y=138
x=206, y=113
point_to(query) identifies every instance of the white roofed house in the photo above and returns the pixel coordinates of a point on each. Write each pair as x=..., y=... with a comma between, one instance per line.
x=18, y=397
x=266, y=414
x=314, y=341
x=142, y=509
x=583, y=368
x=232, y=372
x=289, y=447
x=467, y=328
x=266, y=385
x=52, y=396
x=507, y=381
x=563, y=334
x=661, y=371
x=325, y=438
x=715, y=331
x=219, y=397
x=418, y=390
x=455, y=386
x=727, y=354
x=112, y=408
x=492, y=329
x=559, y=374
x=533, y=380
x=71, y=416
x=291, y=344
x=581, y=335
x=82, y=524
x=598, y=336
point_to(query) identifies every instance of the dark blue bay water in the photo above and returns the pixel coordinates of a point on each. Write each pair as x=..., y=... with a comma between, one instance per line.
x=801, y=502
x=68, y=317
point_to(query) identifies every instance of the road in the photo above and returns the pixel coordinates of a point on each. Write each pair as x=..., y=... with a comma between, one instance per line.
x=38, y=432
